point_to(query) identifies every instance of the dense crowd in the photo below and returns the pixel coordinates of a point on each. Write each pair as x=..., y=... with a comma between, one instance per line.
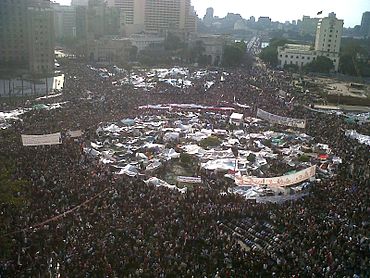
x=102, y=225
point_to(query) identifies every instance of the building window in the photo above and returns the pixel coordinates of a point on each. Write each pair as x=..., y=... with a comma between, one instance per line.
x=286, y=56
x=308, y=58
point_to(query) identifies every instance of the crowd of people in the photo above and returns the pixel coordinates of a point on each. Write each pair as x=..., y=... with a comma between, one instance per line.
x=80, y=220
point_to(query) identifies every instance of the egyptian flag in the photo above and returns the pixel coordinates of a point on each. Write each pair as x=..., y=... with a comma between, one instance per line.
x=320, y=12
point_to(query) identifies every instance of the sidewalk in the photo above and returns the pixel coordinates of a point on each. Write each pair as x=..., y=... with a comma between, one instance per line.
x=349, y=108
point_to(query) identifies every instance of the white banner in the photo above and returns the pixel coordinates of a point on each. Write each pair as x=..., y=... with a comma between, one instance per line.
x=75, y=133
x=42, y=140
x=282, y=181
x=189, y=179
x=275, y=119
x=362, y=139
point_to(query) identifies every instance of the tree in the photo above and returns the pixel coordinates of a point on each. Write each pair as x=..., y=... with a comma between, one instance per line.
x=196, y=51
x=291, y=67
x=172, y=42
x=233, y=54
x=353, y=57
x=322, y=64
x=133, y=53
x=269, y=54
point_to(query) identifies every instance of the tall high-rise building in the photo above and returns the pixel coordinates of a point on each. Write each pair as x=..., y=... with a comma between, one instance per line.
x=64, y=21
x=102, y=20
x=27, y=35
x=365, y=24
x=132, y=14
x=81, y=22
x=329, y=34
x=209, y=16
x=41, y=39
x=157, y=15
x=329, y=37
x=13, y=34
x=96, y=20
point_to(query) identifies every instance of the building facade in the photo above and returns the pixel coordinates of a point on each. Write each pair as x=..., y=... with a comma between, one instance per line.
x=365, y=24
x=146, y=40
x=308, y=25
x=327, y=43
x=295, y=54
x=64, y=21
x=13, y=34
x=79, y=3
x=41, y=39
x=109, y=50
x=27, y=35
x=159, y=16
x=213, y=47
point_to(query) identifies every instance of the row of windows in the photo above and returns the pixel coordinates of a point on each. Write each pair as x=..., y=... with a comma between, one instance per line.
x=297, y=57
x=291, y=62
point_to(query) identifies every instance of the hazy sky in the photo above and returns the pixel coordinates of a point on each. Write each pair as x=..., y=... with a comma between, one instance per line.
x=281, y=10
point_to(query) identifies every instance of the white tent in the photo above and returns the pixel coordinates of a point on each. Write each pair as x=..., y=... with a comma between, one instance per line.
x=236, y=118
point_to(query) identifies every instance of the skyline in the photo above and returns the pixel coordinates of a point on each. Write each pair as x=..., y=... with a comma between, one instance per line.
x=351, y=12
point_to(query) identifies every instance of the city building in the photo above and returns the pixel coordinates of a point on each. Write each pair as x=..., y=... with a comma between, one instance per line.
x=102, y=20
x=208, y=17
x=365, y=24
x=109, y=50
x=240, y=25
x=296, y=54
x=264, y=21
x=81, y=22
x=27, y=36
x=327, y=43
x=161, y=16
x=213, y=47
x=76, y=3
x=96, y=20
x=133, y=12
x=41, y=39
x=146, y=40
x=308, y=25
x=64, y=21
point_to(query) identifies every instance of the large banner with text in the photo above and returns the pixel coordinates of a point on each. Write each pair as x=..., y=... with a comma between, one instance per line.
x=275, y=119
x=42, y=140
x=282, y=181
